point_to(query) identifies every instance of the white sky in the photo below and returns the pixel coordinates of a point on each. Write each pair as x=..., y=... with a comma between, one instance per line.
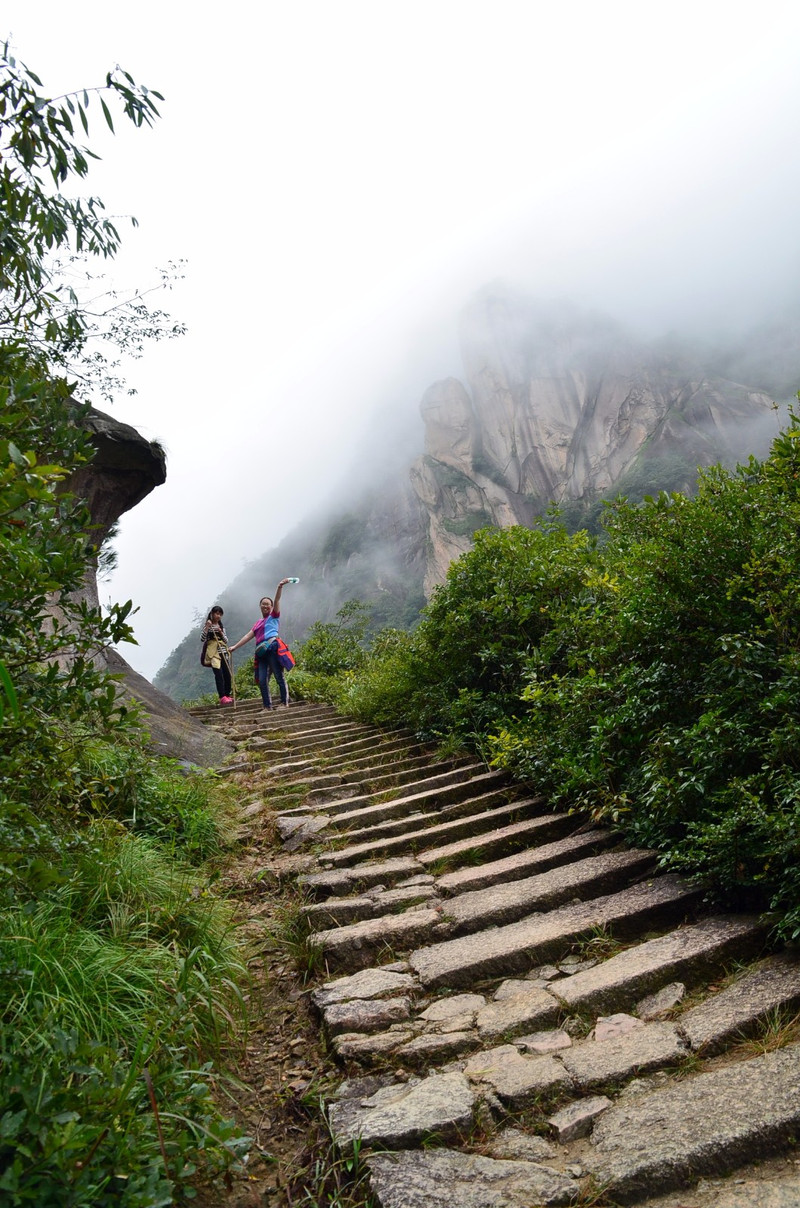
x=340, y=176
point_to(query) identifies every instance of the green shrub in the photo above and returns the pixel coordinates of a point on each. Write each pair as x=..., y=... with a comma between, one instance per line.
x=652, y=679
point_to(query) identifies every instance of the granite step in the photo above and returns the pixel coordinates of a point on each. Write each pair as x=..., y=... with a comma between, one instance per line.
x=707, y=1124
x=360, y=877
x=402, y=774
x=501, y=904
x=339, y=912
x=515, y=948
x=375, y=940
x=389, y=749
x=453, y=785
x=388, y=817
x=524, y=863
x=768, y=992
x=475, y=848
x=464, y=829
x=689, y=953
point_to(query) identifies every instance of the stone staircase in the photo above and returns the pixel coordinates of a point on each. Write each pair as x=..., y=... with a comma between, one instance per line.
x=526, y=1011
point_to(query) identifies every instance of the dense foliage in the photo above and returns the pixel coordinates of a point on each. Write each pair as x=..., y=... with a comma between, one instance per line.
x=651, y=678
x=117, y=964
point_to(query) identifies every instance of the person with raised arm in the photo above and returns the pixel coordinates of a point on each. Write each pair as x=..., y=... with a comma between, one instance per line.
x=265, y=632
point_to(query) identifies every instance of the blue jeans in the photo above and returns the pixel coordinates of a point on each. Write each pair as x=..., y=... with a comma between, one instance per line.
x=271, y=666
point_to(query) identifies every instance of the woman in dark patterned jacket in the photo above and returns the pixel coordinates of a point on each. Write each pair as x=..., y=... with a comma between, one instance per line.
x=215, y=653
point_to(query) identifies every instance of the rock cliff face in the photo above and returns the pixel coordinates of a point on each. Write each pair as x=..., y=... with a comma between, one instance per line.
x=559, y=405
x=124, y=470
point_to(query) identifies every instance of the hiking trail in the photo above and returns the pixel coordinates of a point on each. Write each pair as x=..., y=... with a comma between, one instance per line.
x=509, y=1007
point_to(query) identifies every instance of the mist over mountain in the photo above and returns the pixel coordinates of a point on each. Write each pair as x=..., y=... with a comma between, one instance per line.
x=554, y=404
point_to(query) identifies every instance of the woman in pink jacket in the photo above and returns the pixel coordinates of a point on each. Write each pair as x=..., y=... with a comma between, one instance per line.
x=265, y=632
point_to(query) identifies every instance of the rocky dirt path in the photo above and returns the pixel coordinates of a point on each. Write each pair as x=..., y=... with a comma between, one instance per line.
x=497, y=1006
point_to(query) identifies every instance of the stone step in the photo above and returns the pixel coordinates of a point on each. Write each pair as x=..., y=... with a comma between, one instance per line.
x=501, y=904
x=338, y=912
x=770, y=989
x=689, y=953
x=519, y=1079
x=418, y=772
x=453, y=785
x=343, y=751
x=703, y=1125
x=495, y=905
x=311, y=741
x=510, y=838
x=386, y=752
x=515, y=948
x=524, y=863
x=373, y=940
x=360, y=876
x=447, y=1178
x=331, y=746
x=390, y=817
x=475, y=824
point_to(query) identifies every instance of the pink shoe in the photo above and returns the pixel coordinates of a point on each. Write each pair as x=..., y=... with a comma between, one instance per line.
x=226, y=700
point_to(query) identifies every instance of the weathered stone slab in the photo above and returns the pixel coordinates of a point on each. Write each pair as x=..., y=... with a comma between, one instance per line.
x=406, y=1113
x=343, y=911
x=691, y=952
x=532, y=1005
x=367, y=983
x=455, y=1006
x=523, y=863
x=437, y=1047
x=475, y=824
x=366, y=1015
x=610, y=1027
x=503, y=839
x=503, y=951
x=348, y=880
x=510, y=988
x=663, y=1001
x=501, y=904
x=452, y=785
x=651, y=1047
x=551, y=1041
x=703, y=1125
x=349, y=947
x=577, y=1119
x=394, y=817
x=339, y=911
x=736, y=1011
x=757, y=1193
x=442, y=1178
x=517, y=1080
x=401, y=898
x=367, y=1048
x=522, y=1146
x=374, y=829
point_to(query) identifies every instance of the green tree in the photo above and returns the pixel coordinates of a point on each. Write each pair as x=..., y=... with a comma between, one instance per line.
x=122, y=967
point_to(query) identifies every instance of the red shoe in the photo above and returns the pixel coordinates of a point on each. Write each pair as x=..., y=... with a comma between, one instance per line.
x=226, y=700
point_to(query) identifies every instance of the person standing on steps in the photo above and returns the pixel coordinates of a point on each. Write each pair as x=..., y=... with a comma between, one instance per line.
x=265, y=632
x=215, y=654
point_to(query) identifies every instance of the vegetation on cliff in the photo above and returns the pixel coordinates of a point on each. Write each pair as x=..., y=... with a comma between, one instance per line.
x=651, y=678
x=117, y=965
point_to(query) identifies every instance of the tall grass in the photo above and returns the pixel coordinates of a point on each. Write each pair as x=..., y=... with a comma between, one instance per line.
x=116, y=992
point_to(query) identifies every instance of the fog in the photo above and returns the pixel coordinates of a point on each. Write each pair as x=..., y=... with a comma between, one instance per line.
x=342, y=179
